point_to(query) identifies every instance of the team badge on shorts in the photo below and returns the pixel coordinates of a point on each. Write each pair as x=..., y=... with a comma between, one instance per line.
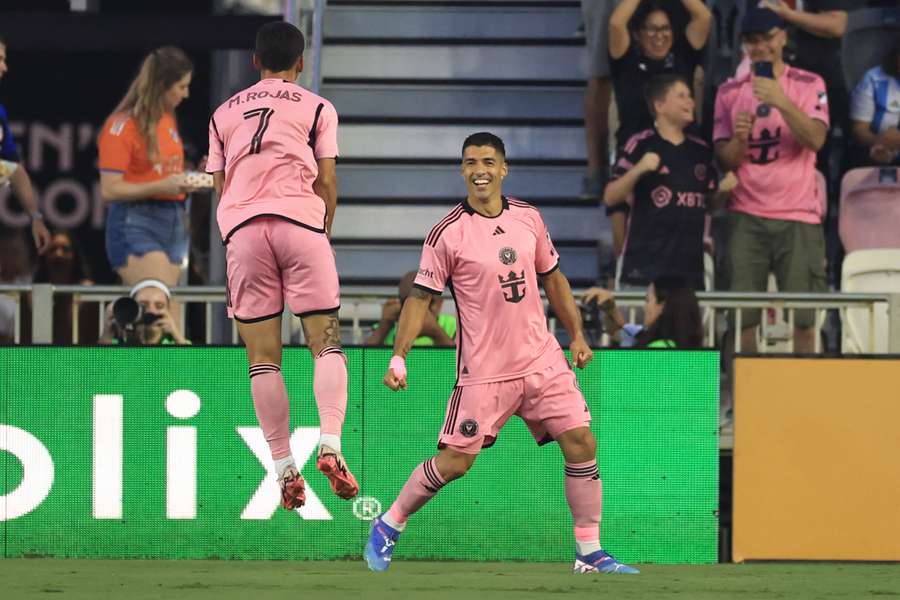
x=468, y=428
x=508, y=255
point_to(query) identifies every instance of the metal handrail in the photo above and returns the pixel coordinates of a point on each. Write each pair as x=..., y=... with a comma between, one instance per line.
x=204, y=293
x=356, y=296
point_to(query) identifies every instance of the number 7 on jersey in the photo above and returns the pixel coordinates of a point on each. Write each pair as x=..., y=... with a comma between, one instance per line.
x=264, y=115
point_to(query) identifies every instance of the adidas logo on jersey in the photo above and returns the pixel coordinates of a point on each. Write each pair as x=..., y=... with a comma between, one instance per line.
x=498, y=231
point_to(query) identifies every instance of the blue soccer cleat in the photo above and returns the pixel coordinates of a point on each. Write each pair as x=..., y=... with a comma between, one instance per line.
x=601, y=562
x=380, y=547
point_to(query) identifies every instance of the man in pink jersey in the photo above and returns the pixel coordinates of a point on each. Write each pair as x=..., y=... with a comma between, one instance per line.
x=492, y=252
x=272, y=151
x=769, y=124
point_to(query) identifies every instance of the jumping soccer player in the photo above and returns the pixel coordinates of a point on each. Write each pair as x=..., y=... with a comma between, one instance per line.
x=272, y=150
x=491, y=251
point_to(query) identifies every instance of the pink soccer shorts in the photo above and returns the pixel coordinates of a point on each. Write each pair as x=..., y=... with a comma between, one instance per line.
x=271, y=261
x=549, y=402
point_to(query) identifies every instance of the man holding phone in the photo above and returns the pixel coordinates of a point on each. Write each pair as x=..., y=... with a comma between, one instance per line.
x=769, y=124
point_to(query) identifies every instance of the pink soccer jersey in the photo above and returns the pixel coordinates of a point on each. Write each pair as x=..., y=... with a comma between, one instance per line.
x=267, y=139
x=777, y=179
x=491, y=266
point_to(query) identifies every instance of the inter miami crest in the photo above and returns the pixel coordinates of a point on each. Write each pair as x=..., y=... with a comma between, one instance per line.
x=508, y=255
x=515, y=283
x=468, y=428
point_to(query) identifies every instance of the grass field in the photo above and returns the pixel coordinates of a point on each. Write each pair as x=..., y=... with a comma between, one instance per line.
x=189, y=580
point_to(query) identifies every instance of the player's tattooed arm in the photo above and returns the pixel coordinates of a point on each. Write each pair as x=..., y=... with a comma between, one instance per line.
x=411, y=318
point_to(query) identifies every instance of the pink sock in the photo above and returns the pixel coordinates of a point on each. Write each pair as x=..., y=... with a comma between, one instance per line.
x=422, y=485
x=584, y=493
x=330, y=388
x=273, y=409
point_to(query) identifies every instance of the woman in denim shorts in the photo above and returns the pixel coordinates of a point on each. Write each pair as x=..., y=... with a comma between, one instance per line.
x=142, y=172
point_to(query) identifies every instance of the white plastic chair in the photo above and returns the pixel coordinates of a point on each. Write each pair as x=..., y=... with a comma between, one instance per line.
x=865, y=331
x=870, y=209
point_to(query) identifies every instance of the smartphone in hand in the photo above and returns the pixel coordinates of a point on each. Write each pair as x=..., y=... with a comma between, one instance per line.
x=764, y=69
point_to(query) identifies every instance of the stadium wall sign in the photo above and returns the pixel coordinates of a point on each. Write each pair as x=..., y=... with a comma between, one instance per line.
x=155, y=452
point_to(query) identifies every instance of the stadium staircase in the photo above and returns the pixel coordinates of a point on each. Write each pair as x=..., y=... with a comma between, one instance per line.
x=411, y=80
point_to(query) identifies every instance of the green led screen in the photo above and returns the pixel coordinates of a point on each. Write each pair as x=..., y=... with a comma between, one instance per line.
x=156, y=452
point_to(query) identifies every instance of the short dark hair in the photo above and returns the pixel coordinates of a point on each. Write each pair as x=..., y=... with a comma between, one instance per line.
x=680, y=319
x=279, y=45
x=645, y=10
x=657, y=88
x=484, y=138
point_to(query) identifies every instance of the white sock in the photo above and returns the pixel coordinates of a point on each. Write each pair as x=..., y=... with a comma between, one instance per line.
x=330, y=440
x=585, y=548
x=283, y=463
x=392, y=523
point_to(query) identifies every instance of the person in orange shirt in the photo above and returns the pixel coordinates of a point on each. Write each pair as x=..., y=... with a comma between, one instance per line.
x=142, y=172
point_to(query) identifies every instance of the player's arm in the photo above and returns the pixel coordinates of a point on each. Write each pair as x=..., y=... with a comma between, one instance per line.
x=218, y=182
x=411, y=319
x=325, y=187
x=559, y=293
x=24, y=191
x=617, y=191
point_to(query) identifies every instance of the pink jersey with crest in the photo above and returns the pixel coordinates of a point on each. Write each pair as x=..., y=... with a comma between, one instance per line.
x=491, y=265
x=777, y=179
x=267, y=139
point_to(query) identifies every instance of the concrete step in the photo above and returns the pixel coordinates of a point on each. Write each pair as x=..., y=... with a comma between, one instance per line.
x=386, y=264
x=400, y=21
x=445, y=141
x=483, y=62
x=397, y=182
x=379, y=100
x=576, y=224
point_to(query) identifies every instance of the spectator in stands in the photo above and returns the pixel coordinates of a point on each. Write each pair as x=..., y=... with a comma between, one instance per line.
x=875, y=111
x=15, y=269
x=18, y=178
x=819, y=26
x=670, y=177
x=155, y=299
x=61, y=265
x=769, y=124
x=141, y=172
x=642, y=43
x=437, y=329
x=671, y=315
x=596, y=95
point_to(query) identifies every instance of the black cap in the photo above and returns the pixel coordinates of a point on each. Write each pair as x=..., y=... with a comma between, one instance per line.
x=760, y=20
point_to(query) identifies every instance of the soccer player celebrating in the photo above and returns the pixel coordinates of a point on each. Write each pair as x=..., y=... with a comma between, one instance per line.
x=491, y=251
x=272, y=151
